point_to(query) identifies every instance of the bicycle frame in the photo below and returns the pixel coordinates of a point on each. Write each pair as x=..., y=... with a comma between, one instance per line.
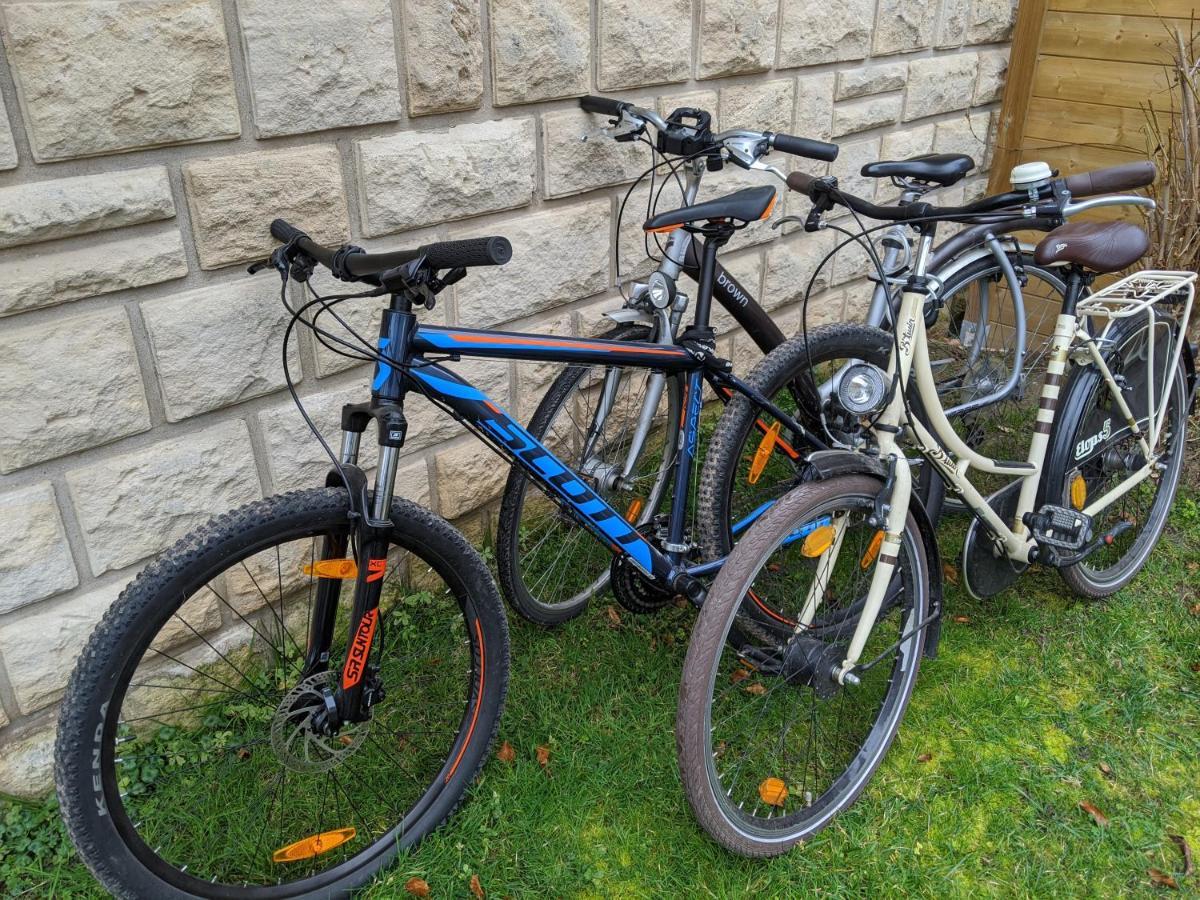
x=911, y=357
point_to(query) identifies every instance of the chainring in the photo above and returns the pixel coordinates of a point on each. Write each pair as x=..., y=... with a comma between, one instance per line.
x=635, y=591
x=984, y=573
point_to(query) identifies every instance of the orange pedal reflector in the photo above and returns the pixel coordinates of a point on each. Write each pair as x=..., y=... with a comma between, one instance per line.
x=332, y=568
x=872, y=551
x=763, y=453
x=818, y=541
x=1078, y=492
x=773, y=791
x=308, y=847
x=635, y=507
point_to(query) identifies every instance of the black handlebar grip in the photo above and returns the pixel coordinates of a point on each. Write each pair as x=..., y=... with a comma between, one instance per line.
x=284, y=231
x=606, y=106
x=801, y=183
x=807, y=147
x=484, y=251
x=1124, y=177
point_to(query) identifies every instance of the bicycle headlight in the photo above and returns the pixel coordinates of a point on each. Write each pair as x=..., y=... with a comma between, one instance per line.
x=660, y=289
x=862, y=389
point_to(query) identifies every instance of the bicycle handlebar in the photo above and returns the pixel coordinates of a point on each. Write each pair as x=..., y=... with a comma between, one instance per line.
x=786, y=143
x=483, y=251
x=1124, y=177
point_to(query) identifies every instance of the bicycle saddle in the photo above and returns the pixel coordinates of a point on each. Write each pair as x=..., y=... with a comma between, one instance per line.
x=746, y=205
x=940, y=168
x=1101, y=247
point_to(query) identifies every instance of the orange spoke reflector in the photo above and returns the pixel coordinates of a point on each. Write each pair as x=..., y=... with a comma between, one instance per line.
x=763, y=453
x=773, y=791
x=309, y=847
x=635, y=507
x=1078, y=492
x=332, y=568
x=818, y=541
x=872, y=551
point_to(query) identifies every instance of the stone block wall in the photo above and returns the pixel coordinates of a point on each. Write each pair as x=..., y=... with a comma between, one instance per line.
x=145, y=145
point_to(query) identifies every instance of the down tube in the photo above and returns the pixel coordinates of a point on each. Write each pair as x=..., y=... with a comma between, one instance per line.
x=512, y=441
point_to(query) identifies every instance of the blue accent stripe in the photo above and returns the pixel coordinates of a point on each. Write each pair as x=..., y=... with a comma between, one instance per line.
x=806, y=529
x=452, y=388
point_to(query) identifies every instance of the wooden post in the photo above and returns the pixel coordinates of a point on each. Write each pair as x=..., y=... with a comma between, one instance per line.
x=1027, y=37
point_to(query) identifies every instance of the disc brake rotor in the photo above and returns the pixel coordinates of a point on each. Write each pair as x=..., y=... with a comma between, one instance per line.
x=297, y=744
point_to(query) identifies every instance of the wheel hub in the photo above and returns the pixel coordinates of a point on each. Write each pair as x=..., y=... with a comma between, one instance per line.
x=298, y=743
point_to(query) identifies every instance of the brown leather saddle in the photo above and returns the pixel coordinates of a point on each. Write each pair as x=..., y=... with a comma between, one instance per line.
x=1100, y=247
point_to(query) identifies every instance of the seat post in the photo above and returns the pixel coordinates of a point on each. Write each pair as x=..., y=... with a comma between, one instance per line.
x=713, y=241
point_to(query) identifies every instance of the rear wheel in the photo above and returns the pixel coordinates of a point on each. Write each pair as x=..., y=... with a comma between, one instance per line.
x=190, y=761
x=549, y=565
x=1093, y=453
x=770, y=747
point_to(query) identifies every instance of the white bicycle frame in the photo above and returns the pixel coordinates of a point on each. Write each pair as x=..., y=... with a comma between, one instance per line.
x=1134, y=295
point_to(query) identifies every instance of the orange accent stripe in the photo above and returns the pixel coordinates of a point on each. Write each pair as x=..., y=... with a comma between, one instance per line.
x=492, y=406
x=551, y=342
x=770, y=612
x=770, y=206
x=478, y=703
x=665, y=229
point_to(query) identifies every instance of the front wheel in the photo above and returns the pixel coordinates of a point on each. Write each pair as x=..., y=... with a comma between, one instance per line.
x=190, y=760
x=770, y=747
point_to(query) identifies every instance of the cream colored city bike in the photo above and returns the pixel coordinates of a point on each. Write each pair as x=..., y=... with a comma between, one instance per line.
x=779, y=734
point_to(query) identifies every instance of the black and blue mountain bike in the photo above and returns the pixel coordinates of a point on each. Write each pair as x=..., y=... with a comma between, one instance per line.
x=306, y=685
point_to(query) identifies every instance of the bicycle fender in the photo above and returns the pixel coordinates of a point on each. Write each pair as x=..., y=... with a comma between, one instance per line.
x=831, y=463
x=625, y=315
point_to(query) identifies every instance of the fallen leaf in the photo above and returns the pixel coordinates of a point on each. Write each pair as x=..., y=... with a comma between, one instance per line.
x=949, y=573
x=506, y=753
x=543, y=756
x=1162, y=879
x=1196, y=667
x=924, y=757
x=1105, y=770
x=1195, y=609
x=476, y=887
x=963, y=620
x=418, y=887
x=1100, y=818
x=738, y=675
x=773, y=567
x=614, y=617
x=1186, y=849
x=681, y=602
x=757, y=689
x=243, y=753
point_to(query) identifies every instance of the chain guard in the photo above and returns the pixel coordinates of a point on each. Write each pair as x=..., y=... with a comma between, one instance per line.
x=984, y=573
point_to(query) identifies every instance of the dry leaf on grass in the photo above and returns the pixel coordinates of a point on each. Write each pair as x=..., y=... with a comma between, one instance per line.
x=614, y=617
x=924, y=757
x=963, y=620
x=543, y=756
x=1105, y=770
x=418, y=887
x=506, y=753
x=949, y=573
x=1162, y=879
x=739, y=675
x=476, y=887
x=1100, y=818
x=756, y=689
x=1186, y=849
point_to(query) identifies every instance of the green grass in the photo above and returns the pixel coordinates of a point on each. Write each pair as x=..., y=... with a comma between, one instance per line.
x=1033, y=697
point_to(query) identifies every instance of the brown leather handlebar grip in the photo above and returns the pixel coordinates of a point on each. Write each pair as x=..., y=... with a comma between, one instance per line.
x=800, y=182
x=1124, y=177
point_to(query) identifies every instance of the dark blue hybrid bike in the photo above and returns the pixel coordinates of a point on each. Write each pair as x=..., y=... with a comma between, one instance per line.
x=306, y=685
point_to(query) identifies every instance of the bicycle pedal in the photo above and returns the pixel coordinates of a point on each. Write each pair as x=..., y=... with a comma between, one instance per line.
x=1060, y=528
